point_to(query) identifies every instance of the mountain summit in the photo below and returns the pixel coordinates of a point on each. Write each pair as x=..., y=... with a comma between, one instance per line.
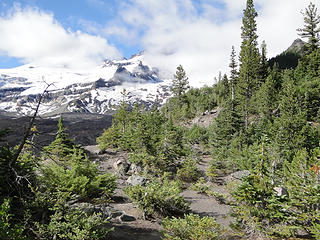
x=296, y=46
x=289, y=58
x=96, y=90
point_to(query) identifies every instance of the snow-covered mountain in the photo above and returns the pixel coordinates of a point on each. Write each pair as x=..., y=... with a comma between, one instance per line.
x=96, y=90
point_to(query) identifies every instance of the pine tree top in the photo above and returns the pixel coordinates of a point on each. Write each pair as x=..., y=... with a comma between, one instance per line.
x=249, y=25
x=311, y=29
x=233, y=64
x=180, y=83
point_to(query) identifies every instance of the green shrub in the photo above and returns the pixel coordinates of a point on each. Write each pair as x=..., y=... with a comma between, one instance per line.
x=108, y=138
x=197, y=135
x=149, y=136
x=189, y=171
x=158, y=198
x=258, y=204
x=191, y=227
x=74, y=224
x=16, y=179
x=8, y=229
x=67, y=176
x=155, y=166
x=212, y=172
x=103, y=184
x=201, y=186
x=315, y=230
x=78, y=176
x=286, y=214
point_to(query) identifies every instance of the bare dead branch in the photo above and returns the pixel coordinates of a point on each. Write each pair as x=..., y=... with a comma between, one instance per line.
x=27, y=133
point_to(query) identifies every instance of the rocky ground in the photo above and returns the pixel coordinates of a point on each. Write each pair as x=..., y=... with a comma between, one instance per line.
x=205, y=119
x=83, y=128
x=129, y=222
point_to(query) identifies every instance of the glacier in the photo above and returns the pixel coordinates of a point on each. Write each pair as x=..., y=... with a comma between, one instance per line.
x=97, y=90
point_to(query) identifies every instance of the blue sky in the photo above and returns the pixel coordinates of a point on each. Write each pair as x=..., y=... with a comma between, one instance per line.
x=70, y=14
x=195, y=33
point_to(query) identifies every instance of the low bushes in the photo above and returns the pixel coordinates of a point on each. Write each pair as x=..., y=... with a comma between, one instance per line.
x=191, y=227
x=158, y=198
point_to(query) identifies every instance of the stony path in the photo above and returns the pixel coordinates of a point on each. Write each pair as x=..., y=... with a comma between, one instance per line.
x=205, y=205
x=140, y=229
x=208, y=206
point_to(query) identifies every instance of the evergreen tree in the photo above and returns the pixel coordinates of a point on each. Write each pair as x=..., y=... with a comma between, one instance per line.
x=263, y=64
x=266, y=97
x=311, y=29
x=233, y=75
x=226, y=87
x=291, y=127
x=171, y=145
x=249, y=60
x=180, y=83
x=225, y=126
x=62, y=145
x=61, y=129
x=302, y=183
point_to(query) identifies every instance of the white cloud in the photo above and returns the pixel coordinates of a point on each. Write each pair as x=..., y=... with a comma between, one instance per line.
x=278, y=22
x=35, y=36
x=196, y=34
x=175, y=33
x=178, y=32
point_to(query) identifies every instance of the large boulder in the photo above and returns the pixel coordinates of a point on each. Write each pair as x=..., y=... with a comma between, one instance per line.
x=136, y=180
x=121, y=166
x=93, y=149
x=127, y=218
x=240, y=174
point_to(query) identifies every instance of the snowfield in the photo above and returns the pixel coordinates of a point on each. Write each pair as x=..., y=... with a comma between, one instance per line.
x=96, y=90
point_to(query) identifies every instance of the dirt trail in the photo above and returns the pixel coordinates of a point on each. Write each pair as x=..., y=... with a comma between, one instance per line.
x=139, y=228
x=205, y=205
x=208, y=206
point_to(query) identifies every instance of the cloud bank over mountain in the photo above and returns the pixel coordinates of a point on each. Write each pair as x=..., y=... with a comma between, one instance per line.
x=197, y=34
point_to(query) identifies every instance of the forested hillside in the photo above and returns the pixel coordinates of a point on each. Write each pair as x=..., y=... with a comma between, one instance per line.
x=264, y=125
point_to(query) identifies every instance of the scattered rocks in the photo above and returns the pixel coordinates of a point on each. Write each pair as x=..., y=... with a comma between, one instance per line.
x=93, y=149
x=240, y=174
x=135, y=169
x=113, y=213
x=127, y=218
x=110, y=151
x=122, y=212
x=91, y=208
x=302, y=233
x=106, y=211
x=136, y=180
x=281, y=191
x=121, y=166
x=206, y=118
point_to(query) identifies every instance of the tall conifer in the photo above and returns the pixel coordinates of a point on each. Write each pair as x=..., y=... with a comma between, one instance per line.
x=180, y=83
x=264, y=65
x=311, y=29
x=290, y=129
x=249, y=60
x=233, y=75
